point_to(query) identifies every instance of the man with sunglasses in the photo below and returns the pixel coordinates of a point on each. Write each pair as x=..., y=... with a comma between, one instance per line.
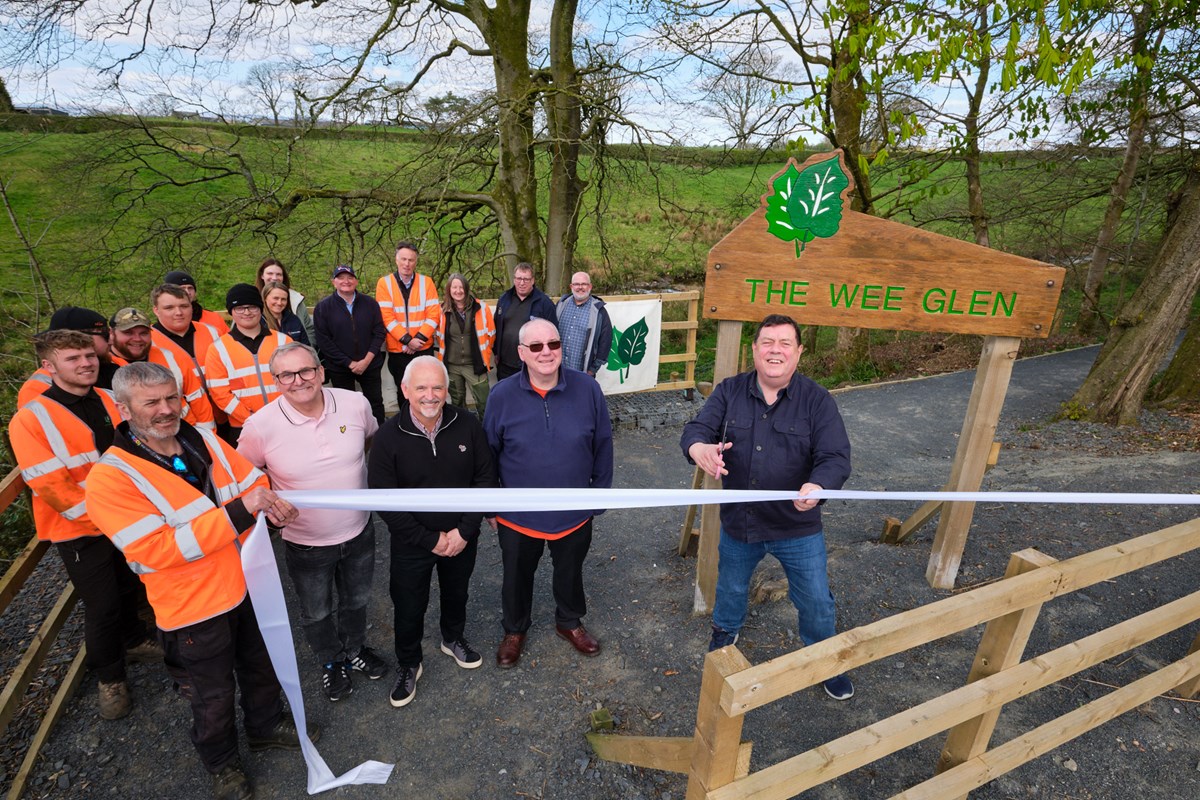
x=548, y=427
x=316, y=438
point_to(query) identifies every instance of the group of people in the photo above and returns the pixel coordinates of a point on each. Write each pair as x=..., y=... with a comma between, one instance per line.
x=162, y=477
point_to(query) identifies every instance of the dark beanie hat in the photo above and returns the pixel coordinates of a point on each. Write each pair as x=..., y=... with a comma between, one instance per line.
x=179, y=278
x=74, y=318
x=242, y=294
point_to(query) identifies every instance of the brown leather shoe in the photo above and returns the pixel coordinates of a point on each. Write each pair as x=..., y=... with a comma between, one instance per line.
x=509, y=652
x=580, y=639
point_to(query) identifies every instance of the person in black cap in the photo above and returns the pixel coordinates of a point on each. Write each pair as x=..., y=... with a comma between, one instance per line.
x=237, y=366
x=199, y=312
x=84, y=320
x=350, y=336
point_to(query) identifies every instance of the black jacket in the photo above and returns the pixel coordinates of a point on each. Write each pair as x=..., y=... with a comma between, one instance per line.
x=342, y=338
x=402, y=457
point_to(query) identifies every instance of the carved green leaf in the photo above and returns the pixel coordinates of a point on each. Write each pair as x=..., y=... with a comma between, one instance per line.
x=807, y=204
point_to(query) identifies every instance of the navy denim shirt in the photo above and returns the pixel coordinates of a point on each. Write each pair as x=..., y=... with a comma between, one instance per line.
x=799, y=439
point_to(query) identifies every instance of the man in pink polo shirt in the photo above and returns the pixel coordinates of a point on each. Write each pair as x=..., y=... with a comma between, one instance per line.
x=311, y=437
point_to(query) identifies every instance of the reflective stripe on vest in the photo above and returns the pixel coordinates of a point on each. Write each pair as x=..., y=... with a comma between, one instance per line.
x=62, y=456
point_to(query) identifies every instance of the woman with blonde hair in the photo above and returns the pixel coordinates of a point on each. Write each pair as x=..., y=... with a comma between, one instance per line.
x=278, y=315
x=464, y=342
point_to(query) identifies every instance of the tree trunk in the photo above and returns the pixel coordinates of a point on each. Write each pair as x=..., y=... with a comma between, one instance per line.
x=1089, y=313
x=1142, y=333
x=1180, y=384
x=564, y=121
x=972, y=157
x=505, y=28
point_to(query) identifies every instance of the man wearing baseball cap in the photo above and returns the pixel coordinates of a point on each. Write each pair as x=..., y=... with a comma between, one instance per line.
x=237, y=366
x=130, y=342
x=350, y=337
x=84, y=320
x=199, y=312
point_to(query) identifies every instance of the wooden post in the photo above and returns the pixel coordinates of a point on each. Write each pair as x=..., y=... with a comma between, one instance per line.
x=895, y=531
x=689, y=517
x=1190, y=688
x=974, y=444
x=718, y=736
x=1001, y=647
x=729, y=337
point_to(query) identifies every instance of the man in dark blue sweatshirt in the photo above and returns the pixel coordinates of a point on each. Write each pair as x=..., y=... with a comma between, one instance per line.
x=773, y=428
x=548, y=427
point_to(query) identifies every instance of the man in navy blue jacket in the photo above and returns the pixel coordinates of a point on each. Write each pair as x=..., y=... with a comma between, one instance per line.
x=350, y=336
x=523, y=302
x=773, y=428
x=548, y=426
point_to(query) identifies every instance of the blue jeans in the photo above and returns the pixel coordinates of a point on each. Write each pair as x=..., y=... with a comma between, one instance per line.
x=315, y=571
x=803, y=560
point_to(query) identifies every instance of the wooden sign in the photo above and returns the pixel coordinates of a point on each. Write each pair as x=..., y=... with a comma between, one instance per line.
x=804, y=253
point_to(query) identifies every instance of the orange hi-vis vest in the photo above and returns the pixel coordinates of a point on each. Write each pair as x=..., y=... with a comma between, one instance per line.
x=182, y=544
x=485, y=333
x=34, y=386
x=215, y=321
x=202, y=339
x=56, y=451
x=197, y=411
x=420, y=315
x=240, y=382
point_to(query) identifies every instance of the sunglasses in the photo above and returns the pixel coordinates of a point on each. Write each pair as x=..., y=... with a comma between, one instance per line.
x=536, y=347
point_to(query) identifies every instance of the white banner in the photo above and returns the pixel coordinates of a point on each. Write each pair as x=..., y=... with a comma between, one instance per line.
x=633, y=360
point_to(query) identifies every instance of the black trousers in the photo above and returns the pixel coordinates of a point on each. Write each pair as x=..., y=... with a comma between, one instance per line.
x=520, y=555
x=504, y=370
x=398, y=362
x=111, y=596
x=371, y=382
x=412, y=571
x=209, y=662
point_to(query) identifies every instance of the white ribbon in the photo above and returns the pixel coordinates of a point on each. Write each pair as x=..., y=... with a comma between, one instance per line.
x=490, y=501
x=266, y=592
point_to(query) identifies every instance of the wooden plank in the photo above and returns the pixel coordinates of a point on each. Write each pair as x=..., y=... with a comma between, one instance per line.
x=673, y=386
x=1043, y=739
x=19, y=571
x=866, y=745
x=58, y=705
x=718, y=737
x=693, y=315
x=974, y=446
x=729, y=338
x=689, y=517
x=35, y=654
x=781, y=676
x=11, y=488
x=1001, y=647
x=681, y=325
x=676, y=357
x=668, y=753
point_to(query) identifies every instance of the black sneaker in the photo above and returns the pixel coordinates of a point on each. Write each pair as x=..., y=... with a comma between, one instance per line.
x=369, y=663
x=840, y=687
x=283, y=736
x=406, y=686
x=231, y=783
x=721, y=638
x=463, y=655
x=336, y=680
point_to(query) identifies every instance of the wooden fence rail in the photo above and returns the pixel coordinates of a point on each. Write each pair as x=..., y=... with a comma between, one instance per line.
x=13, y=694
x=716, y=760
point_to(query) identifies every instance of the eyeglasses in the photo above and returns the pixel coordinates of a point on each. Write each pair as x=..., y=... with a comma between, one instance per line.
x=245, y=310
x=523, y=280
x=288, y=378
x=536, y=347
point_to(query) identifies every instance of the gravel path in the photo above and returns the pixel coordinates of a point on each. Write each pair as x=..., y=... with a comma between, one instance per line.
x=492, y=734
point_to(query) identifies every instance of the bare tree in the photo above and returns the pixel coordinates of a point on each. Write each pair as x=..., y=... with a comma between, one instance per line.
x=270, y=83
x=742, y=93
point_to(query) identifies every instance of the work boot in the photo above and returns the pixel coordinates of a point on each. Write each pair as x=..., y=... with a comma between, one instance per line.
x=283, y=736
x=231, y=783
x=114, y=700
x=148, y=651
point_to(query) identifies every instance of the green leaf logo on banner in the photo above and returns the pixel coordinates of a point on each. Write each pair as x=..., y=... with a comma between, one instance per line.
x=628, y=348
x=807, y=204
